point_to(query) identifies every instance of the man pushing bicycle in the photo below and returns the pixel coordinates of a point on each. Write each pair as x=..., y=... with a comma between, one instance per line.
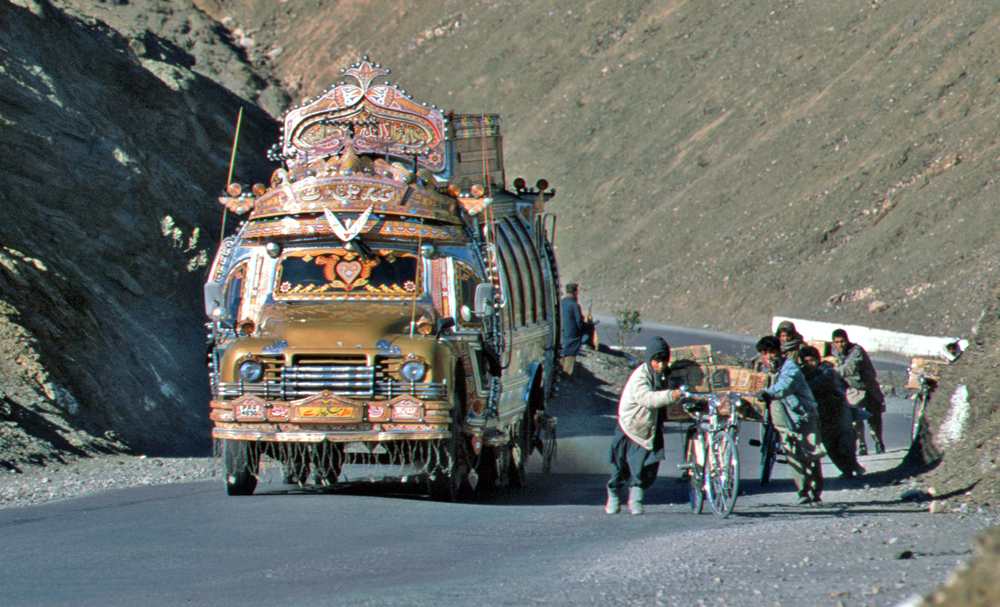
x=796, y=418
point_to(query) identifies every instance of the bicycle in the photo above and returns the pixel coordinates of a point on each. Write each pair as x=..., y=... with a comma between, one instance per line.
x=712, y=461
x=927, y=387
x=770, y=448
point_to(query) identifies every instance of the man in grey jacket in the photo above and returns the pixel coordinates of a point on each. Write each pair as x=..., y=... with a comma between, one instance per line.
x=863, y=390
x=637, y=447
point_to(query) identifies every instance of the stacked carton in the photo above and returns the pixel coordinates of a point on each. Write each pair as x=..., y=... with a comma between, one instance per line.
x=693, y=367
x=928, y=367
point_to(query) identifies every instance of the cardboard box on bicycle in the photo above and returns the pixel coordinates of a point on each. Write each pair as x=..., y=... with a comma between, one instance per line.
x=699, y=354
x=928, y=367
x=717, y=379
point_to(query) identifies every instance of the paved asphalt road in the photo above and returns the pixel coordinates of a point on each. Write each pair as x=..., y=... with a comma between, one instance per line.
x=191, y=544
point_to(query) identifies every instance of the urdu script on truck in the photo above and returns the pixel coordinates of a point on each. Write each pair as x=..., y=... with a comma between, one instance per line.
x=389, y=310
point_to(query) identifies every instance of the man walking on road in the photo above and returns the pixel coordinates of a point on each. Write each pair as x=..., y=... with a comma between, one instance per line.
x=795, y=417
x=576, y=329
x=863, y=390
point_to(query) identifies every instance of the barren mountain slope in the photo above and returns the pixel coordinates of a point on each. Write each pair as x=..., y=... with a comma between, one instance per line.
x=716, y=163
x=112, y=151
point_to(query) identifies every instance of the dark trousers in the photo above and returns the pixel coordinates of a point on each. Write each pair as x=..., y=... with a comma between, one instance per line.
x=634, y=465
x=874, y=422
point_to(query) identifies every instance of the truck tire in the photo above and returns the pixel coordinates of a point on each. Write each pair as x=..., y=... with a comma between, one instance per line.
x=327, y=462
x=448, y=463
x=240, y=460
x=520, y=448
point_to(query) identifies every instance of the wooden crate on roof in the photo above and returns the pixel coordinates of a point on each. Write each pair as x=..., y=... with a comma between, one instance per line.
x=477, y=151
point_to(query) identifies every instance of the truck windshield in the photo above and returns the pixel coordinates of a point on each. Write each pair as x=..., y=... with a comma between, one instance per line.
x=342, y=274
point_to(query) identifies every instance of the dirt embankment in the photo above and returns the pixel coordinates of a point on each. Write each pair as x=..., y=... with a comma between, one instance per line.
x=715, y=164
x=113, y=150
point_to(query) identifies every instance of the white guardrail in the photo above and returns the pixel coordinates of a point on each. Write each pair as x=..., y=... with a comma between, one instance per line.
x=875, y=340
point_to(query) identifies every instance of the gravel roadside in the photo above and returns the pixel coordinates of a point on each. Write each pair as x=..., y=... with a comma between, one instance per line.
x=80, y=477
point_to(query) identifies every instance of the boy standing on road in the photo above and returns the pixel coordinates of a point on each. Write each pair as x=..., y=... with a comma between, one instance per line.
x=637, y=447
x=835, y=423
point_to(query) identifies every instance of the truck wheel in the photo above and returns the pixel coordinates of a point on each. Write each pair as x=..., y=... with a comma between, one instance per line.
x=520, y=447
x=448, y=463
x=327, y=462
x=240, y=460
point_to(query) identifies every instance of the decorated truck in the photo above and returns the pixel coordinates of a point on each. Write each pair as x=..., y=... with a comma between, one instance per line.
x=389, y=309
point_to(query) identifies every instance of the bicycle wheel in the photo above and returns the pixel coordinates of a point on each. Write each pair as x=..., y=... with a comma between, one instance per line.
x=918, y=410
x=768, y=452
x=723, y=470
x=696, y=493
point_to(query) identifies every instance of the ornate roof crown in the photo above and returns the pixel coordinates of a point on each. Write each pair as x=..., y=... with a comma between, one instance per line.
x=366, y=118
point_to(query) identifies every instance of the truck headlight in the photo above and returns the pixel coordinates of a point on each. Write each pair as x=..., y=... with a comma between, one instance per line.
x=251, y=370
x=413, y=370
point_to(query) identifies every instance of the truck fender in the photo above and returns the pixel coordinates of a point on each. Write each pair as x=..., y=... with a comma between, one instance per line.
x=534, y=371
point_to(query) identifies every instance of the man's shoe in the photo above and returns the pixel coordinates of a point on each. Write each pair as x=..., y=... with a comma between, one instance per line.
x=635, y=495
x=863, y=450
x=614, y=505
x=879, y=447
x=805, y=500
x=859, y=471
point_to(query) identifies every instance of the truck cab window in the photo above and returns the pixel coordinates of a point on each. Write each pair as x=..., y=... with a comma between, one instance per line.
x=337, y=273
x=234, y=290
x=466, y=282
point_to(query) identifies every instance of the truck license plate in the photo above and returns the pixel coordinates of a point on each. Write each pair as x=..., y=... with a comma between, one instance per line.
x=328, y=413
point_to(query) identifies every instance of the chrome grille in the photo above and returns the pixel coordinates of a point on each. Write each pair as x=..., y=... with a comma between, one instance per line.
x=352, y=377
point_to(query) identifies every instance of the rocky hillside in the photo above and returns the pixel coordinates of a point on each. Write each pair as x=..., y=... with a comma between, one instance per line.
x=112, y=151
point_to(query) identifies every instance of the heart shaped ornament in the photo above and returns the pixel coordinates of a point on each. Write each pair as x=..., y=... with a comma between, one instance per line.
x=348, y=271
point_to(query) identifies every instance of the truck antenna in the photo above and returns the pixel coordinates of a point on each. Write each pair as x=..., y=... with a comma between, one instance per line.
x=229, y=179
x=416, y=282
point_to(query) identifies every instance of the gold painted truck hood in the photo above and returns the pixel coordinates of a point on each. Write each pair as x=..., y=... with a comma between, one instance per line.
x=340, y=325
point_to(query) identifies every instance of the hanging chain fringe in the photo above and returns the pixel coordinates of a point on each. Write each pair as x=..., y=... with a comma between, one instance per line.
x=329, y=462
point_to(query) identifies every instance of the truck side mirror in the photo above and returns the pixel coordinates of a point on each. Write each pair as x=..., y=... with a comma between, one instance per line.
x=484, y=299
x=213, y=297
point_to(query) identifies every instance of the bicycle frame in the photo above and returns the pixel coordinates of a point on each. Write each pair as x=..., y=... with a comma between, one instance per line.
x=927, y=387
x=712, y=459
